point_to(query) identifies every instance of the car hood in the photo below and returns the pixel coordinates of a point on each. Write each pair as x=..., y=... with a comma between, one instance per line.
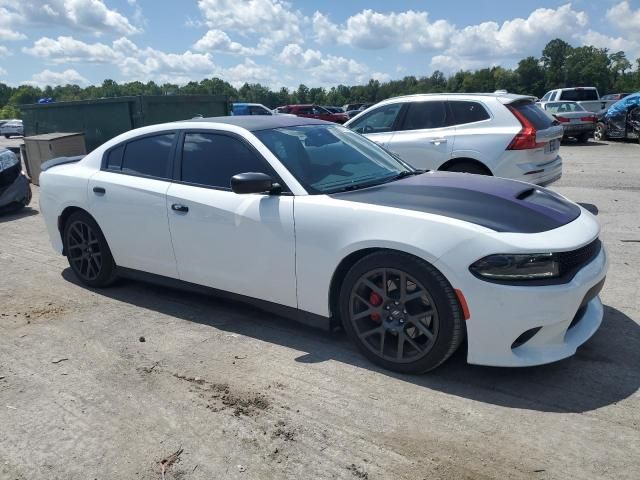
x=499, y=204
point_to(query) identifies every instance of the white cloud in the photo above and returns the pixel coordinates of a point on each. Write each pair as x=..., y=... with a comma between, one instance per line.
x=624, y=18
x=47, y=77
x=88, y=15
x=11, y=35
x=325, y=69
x=249, y=72
x=68, y=49
x=272, y=20
x=134, y=62
x=4, y=51
x=2, y=71
x=325, y=30
x=219, y=41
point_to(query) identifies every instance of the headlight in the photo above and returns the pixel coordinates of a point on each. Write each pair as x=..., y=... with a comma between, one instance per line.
x=7, y=160
x=535, y=266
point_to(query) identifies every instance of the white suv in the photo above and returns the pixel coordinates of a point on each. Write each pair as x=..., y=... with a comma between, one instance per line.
x=497, y=134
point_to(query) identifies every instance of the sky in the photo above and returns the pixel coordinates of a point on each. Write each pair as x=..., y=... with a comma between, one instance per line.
x=286, y=43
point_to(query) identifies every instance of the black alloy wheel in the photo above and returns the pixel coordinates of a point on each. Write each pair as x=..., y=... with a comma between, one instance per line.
x=401, y=312
x=87, y=251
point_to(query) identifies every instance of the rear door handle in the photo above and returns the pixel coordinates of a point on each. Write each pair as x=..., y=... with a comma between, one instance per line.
x=99, y=190
x=438, y=140
x=176, y=207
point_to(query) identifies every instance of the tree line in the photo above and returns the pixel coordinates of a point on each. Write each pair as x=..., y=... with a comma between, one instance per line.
x=559, y=65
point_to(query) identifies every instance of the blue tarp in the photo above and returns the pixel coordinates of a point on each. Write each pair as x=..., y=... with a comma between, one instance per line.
x=617, y=116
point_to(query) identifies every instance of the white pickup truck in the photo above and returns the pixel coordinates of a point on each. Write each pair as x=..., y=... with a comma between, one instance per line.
x=587, y=97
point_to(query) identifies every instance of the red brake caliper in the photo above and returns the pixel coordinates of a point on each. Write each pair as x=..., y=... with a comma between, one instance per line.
x=376, y=301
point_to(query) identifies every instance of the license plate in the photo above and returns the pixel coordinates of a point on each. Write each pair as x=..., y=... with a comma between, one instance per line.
x=552, y=146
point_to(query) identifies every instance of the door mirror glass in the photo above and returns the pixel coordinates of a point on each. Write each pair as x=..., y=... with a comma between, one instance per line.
x=253, y=182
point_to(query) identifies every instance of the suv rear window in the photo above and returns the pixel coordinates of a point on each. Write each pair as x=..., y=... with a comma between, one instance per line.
x=534, y=114
x=579, y=95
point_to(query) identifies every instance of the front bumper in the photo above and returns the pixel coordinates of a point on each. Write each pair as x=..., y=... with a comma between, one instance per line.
x=17, y=194
x=495, y=324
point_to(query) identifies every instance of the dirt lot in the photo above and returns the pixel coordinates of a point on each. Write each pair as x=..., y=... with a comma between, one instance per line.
x=244, y=394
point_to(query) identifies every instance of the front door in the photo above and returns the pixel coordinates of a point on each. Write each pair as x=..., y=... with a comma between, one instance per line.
x=243, y=244
x=378, y=124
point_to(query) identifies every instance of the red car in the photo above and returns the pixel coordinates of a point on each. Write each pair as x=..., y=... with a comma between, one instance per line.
x=313, y=111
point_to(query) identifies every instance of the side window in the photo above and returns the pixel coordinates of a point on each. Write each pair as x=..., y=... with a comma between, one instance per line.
x=378, y=121
x=211, y=159
x=305, y=110
x=255, y=110
x=425, y=115
x=149, y=156
x=114, y=158
x=468, y=112
x=546, y=97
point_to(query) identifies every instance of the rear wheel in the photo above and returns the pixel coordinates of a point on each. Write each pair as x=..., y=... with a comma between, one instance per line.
x=600, y=132
x=401, y=312
x=87, y=251
x=469, y=167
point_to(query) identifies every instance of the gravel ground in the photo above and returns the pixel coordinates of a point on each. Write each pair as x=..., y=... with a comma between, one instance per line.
x=221, y=390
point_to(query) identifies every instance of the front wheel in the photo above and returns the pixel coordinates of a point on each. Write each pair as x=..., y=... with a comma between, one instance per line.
x=401, y=312
x=87, y=251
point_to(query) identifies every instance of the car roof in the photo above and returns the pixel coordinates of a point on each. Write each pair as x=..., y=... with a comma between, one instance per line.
x=262, y=122
x=247, y=104
x=503, y=97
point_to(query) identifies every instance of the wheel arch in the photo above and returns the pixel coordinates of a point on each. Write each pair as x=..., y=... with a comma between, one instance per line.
x=64, y=216
x=458, y=160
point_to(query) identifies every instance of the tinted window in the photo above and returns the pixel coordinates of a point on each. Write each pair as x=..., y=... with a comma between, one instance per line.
x=149, y=156
x=304, y=110
x=421, y=115
x=331, y=158
x=211, y=159
x=468, y=112
x=579, y=95
x=379, y=120
x=535, y=115
x=114, y=158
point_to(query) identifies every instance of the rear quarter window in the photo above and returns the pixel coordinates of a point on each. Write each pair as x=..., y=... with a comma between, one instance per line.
x=534, y=114
x=468, y=112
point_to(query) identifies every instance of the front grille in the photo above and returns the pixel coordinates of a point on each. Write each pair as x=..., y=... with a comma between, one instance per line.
x=574, y=260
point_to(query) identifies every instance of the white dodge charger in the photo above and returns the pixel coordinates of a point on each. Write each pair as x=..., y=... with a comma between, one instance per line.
x=318, y=223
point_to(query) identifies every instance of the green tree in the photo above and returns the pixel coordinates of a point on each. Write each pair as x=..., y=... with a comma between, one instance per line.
x=530, y=77
x=554, y=57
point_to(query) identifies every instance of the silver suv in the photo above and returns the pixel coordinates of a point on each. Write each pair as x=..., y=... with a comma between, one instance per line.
x=497, y=134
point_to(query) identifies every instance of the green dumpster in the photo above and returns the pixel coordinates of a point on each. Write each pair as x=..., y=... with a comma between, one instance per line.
x=104, y=118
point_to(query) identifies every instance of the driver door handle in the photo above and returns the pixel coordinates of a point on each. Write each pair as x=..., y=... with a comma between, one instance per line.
x=438, y=140
x=176, y=207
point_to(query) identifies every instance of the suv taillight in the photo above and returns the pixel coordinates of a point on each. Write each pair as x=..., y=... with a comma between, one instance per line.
x=525, y=139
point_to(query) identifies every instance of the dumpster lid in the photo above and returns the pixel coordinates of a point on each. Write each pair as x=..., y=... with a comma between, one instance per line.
x=53, y=136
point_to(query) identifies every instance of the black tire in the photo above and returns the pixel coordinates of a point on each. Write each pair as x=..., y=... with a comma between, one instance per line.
x=7, y=136
x=583, y=138
x=87, y=251
x=600, y=132
x=469, y=167
x=435, y=294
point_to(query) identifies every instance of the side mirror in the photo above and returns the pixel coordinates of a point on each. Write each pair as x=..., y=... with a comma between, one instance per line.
x=253, y=182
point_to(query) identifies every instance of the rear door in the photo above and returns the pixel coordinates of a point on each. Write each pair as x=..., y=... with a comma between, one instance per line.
x=425, y=136
x=127, y=197
x=243, y=244
x=378, y=124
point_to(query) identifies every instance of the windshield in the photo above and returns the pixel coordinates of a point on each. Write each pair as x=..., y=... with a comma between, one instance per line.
x=331, y=158
x=561, y=107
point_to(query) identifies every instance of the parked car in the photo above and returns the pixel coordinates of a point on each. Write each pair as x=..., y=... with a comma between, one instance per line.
x=504, y=135
x=575, y=120
x=12, y=128
x=621, y=120
x=587, y=97
x=249, y=109
x=313, y=111
x=348, y=107
x=614, y=96
x=15, y=191
x=409, y=263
